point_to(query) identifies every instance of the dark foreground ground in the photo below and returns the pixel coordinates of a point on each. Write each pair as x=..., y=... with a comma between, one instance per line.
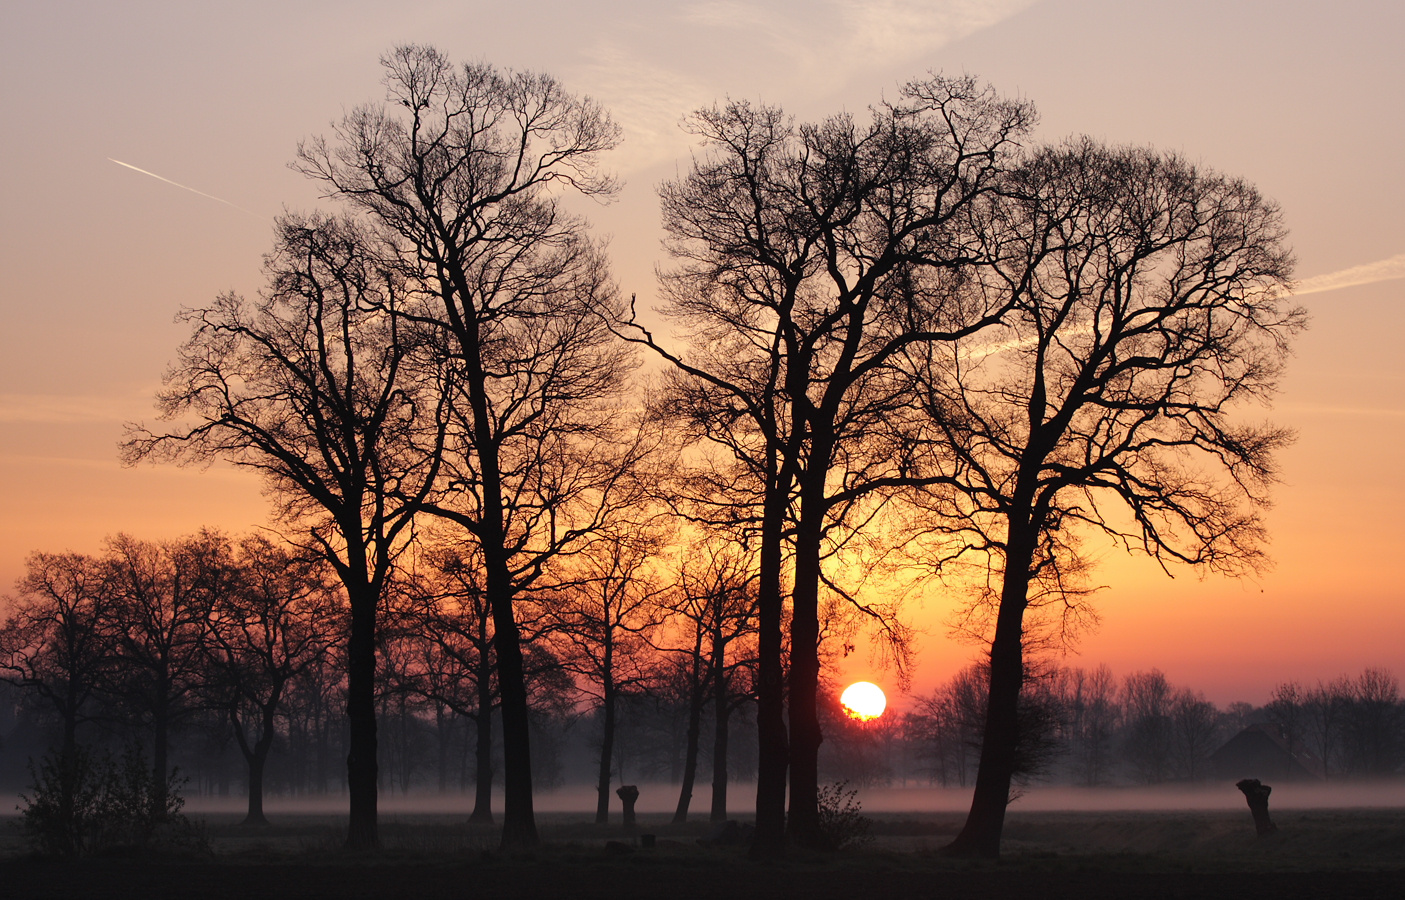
x=1049, y=856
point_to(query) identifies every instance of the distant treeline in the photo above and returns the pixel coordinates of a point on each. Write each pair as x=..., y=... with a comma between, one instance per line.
x=224, y=659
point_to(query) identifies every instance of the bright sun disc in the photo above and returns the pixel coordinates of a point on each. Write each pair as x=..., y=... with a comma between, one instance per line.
x=864, y=700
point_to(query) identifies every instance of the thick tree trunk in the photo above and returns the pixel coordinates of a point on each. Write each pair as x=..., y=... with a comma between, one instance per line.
x=483, y=751
x=362, y=769
x=607, y=752
x=980, y=837
x=773, y=744
x=805, y=735
x=160, y=758
x=721, y=719
x=255, y=816
x=255, y=758
x=519, y=826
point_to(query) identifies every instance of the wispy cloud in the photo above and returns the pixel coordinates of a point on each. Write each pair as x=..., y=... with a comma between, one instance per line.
x=1381, y=270
x=646, y=99
x=649, y=81
x=897, y=29
x=58, y=409
x=186, y=187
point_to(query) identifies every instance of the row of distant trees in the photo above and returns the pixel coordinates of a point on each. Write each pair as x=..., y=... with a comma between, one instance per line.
x=244, y=642
x=919, y=340
x=1087, y=727
x=232, y=652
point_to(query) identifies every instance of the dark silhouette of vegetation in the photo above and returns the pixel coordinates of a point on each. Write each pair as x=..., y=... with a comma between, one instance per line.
x=324, y=388
x=810, y=260
x=1147, y=310
x=906, y=338
x=461, y=172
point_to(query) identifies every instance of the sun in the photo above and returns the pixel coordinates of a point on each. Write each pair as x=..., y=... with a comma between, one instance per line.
x=863, y=700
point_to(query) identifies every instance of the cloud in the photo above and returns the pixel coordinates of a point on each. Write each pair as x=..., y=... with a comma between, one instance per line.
x=646, y=100
x=1370, y=273
x=60, y=409
x=649, y=79
x=898, y=29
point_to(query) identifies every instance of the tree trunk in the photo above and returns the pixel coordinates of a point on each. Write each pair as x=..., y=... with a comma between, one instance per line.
x=362, y=770
x=722, y=716
x=773, y=744
x=519, y=826
x=483, y=751
x=805, y=736
x=607, y=750
x=980, y=837
x=690, y=751
x=160, y=758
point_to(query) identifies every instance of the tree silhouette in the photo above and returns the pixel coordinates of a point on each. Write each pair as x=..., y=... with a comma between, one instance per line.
x=323, y=388
x=463, y=169
x=1148, y=311
x=278, y=620
x=810, y=259
x=57, y=640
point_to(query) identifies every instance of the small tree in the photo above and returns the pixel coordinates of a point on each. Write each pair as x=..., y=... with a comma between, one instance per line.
x=279, y=620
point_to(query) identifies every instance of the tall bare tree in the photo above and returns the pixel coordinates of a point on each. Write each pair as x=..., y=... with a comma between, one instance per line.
x=810, y=258
x=464, y=168
x=712, y=608
x=322, y=387
x=1149, y=310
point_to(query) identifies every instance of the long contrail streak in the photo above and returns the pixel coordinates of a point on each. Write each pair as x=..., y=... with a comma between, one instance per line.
x=1381, y=270
x=184, y=187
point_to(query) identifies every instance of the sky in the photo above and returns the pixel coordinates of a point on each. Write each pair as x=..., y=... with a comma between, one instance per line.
x=145, y=150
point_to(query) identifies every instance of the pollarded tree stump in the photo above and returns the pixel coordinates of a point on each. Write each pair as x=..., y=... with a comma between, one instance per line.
x=1257, y=795
x=628, y=794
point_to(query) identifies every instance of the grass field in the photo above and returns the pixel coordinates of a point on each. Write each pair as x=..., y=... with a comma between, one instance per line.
x=1318, y=852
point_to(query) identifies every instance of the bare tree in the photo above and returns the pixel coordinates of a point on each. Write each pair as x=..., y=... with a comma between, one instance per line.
x=1148, y=311
x=810, y=258
x=1090, y=698
x=1326, y=711
x=603, y=623
x=163, y=594
x=464, y=168
x=278, y=620
x=322, y=388
x=1147, y=732
x=713, y=610
x=1195, y=732
x=57, y=640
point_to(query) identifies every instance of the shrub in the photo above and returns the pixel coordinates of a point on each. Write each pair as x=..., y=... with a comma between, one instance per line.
x=841, y=820
x=86, y=803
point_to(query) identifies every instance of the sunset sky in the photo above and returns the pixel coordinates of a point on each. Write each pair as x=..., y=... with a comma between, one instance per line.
x=1299, y=97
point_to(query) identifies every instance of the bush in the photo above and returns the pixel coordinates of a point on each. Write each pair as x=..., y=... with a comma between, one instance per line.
x=842, y=823
x=87, y=803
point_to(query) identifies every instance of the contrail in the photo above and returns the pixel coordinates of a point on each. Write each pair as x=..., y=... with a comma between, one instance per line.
x=1381, y=270
x=184, y=187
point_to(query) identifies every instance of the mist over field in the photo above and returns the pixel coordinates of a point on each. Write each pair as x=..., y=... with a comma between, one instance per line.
x=659, y=799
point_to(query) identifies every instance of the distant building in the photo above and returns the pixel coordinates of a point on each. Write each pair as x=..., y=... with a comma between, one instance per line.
x=1261, y=751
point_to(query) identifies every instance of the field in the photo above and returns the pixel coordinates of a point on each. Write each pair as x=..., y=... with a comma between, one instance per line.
x=1318, y=852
